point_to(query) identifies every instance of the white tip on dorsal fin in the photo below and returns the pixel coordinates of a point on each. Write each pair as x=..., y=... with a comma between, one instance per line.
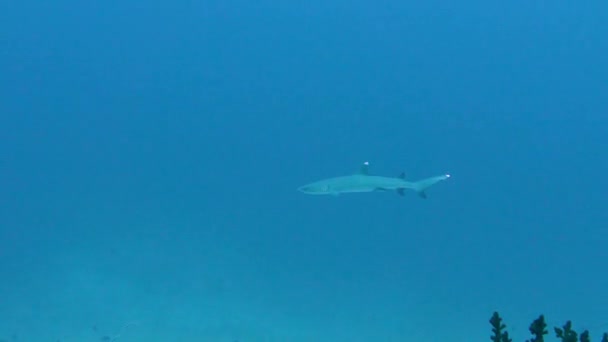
x=364, y=170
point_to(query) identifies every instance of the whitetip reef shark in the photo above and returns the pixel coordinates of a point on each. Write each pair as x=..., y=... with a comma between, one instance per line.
x=363, y=181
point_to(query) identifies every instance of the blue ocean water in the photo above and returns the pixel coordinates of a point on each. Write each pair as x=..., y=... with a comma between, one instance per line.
x=150, y=154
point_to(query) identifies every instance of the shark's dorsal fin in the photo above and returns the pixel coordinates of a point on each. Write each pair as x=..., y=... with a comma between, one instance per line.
x=364, y=170
x=402, y=175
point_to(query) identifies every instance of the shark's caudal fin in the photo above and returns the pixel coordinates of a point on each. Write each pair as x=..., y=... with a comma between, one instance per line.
x=421, y=185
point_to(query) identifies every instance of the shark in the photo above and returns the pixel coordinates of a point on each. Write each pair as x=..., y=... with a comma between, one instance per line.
x=363, y=181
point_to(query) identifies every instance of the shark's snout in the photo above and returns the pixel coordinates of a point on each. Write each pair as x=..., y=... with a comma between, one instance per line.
x=313, y=189
x=306, y=189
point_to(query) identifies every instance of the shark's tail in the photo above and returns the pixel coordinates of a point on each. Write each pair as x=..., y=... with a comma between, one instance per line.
x=421, y=185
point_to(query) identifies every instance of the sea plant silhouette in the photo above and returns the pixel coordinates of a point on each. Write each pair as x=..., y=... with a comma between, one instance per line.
x=538, y=328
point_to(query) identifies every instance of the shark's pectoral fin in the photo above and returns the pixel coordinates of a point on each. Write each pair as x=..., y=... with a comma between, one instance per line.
x=422, y=194
x=401, y=192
